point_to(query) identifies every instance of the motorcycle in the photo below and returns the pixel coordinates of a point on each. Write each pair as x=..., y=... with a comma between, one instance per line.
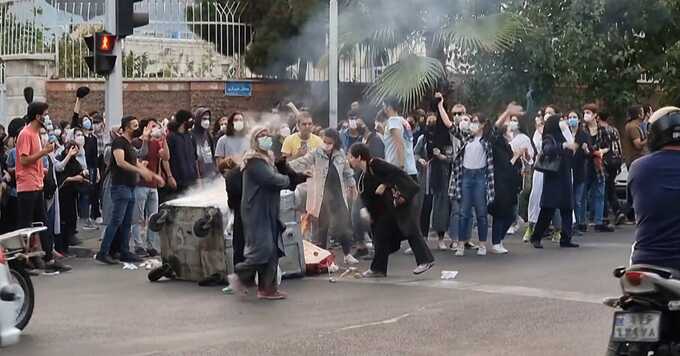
x=17, y=296
x=647, y=317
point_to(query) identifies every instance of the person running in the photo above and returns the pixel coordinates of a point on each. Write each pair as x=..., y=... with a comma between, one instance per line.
x=390, y=197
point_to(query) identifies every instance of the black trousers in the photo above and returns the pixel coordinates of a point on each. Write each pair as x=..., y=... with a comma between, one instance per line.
x=383, y=248
x=334, y=221
x=425, y=215
x=33, y=209
x=238, y=241
x=9, y=215
x=544, y=219
x=611, y=202
x=266, y=274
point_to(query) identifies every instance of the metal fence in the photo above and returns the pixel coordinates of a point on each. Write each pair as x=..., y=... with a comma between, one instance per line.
x=183, y=40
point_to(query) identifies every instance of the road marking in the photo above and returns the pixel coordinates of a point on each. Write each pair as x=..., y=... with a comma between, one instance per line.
x=376, y=323
x=520, y=291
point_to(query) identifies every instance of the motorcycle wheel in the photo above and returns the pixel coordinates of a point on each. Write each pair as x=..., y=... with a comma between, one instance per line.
x=23, y=279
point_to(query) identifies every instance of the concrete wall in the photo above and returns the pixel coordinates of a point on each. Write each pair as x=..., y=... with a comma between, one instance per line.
x=163, y=98
x=23, y=71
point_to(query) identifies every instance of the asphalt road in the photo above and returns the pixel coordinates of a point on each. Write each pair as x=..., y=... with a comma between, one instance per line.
x=529, y=302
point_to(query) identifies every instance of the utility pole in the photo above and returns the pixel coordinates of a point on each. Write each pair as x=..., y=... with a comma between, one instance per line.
x=333, y=65
x=113, y=97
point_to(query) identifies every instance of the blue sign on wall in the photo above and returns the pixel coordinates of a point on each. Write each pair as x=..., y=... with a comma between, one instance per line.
x=238, y=89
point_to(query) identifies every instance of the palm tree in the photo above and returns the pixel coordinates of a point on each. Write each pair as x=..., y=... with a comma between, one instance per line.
x=420, y=38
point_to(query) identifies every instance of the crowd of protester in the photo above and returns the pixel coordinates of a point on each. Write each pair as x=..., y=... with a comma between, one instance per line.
x=370, y=184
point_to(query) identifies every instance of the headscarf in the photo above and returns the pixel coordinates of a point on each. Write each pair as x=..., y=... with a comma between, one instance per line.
x=255, y=152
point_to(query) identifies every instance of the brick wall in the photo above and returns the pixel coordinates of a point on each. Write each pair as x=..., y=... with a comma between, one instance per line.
x=163, y=98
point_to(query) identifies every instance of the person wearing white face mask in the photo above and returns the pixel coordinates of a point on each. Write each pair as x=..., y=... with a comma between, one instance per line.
x=90, y=200
x=207, y=168
x=83, y=190
x=472, y=178
x=262, y=185
x=330, y=192
x=231, y=147
x=156, y=153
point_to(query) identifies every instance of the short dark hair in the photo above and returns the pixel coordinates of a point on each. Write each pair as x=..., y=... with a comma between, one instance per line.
x=145, y=122
x=592, y=107
x=125, y=122
x=36, y=108
x=392, y=102
x=183, y=116
x=361, y=151
x=635, y=112
x=333, y=134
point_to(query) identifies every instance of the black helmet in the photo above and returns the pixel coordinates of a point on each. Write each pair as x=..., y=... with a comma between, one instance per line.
x=664, y=128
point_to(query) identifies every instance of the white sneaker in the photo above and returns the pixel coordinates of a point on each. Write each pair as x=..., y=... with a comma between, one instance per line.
x=512, y=230
x=350, y=260
x=408, y=251
x=499, y=249
x=460, y=250
x=443, y=246
x=481, y=251
x=100, y=221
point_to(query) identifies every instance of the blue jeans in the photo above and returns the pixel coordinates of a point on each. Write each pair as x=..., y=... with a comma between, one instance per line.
x=474, y=196
x=454, y=220
x=146, y=204
x=123, y=201
x=580, y=203
x=595, y=194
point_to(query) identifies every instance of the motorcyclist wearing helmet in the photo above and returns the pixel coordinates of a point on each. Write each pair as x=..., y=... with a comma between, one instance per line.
x=654, y=182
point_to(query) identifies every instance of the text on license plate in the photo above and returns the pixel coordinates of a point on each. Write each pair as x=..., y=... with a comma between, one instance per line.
x=636, y=327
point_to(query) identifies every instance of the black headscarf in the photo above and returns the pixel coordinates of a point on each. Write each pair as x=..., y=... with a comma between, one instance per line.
x=552, y=128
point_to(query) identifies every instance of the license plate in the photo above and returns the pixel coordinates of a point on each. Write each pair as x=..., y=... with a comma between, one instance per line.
x=636, y=327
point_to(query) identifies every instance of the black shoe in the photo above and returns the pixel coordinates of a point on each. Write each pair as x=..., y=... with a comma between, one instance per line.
x=568, y=245
x=361, y=252
x=131, y=259
x=152, y=252
x=105, y=260
x=604, y=228
x=583, y=228
x=163, y=271
x=116, y=256
x=141, y=252
x=56, y=266
x=536, y=244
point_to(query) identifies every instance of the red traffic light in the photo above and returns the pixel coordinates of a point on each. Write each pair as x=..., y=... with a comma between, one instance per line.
x=106, y=42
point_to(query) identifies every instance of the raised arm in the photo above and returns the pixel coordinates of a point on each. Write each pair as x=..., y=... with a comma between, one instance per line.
x=442, y=111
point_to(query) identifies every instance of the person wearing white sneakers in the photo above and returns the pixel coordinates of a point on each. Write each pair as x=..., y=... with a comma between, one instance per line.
x=508, y=177
x=472, y=180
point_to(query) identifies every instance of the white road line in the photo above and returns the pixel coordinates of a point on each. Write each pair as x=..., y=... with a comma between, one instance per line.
x=376, y=323
x=520, y=291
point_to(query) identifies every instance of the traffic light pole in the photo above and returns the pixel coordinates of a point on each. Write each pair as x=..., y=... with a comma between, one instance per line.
x=113, y=97
x=333, y=65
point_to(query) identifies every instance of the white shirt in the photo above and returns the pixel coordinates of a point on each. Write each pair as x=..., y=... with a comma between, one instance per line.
x=475, y=156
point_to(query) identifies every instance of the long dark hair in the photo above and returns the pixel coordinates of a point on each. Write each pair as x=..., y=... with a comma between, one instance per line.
x=230, y=123
x=552, y=128
x=483, y=120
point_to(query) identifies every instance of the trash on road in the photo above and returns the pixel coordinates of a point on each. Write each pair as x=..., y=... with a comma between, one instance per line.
x=130, y=266
x=449, y=275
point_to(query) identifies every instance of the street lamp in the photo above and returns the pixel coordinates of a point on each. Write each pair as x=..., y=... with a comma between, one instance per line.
x=333, y=65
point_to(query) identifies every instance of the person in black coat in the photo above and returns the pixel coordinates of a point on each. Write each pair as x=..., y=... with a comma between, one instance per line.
x=558, y=190
x=390, y=199
x=507, y=182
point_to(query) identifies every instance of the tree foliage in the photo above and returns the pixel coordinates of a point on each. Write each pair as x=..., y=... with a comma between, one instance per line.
x=578, y=50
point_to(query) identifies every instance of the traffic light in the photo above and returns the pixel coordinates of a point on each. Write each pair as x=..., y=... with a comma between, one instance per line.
x=127, y=19
x=101, y=45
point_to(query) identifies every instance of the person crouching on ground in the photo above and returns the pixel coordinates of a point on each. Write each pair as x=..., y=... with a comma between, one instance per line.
x=389, y=195
x=260, y=204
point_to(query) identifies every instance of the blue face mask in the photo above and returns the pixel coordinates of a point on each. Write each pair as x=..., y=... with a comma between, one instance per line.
x=265, y=143
x=573, y=122
x=87, y=124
